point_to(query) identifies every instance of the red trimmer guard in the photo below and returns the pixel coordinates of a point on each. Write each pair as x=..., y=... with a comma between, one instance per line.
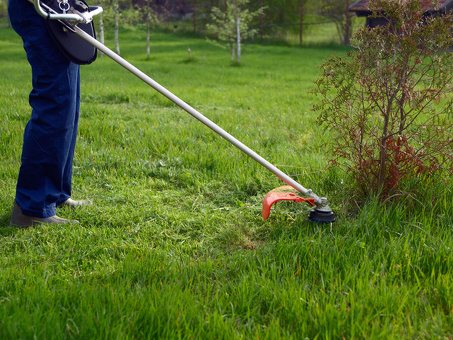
x=282, y=194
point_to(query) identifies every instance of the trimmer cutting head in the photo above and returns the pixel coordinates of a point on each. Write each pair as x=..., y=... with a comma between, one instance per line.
x=321, y=213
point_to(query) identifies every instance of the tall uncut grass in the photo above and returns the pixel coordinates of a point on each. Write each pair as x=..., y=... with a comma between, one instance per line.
x=174, y=245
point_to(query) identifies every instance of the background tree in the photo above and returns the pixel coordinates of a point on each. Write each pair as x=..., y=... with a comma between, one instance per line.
x=232, y=25
x=338, y=10
x=290, y=16
x=389, y=102
x=117, y=14
x=116, y=10
x=261, y=20
x=149, y=17
x=109, y=18
x=100, y=18
x=201, y=13
x=281, y=19
x=301, y=21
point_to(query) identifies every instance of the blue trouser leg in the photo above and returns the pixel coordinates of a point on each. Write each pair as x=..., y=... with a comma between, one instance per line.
x=50, y=135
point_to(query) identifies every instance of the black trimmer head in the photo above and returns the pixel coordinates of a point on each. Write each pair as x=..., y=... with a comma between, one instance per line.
x=321, y=215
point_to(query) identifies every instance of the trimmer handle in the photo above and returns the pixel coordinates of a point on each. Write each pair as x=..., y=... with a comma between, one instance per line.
x=95, y=10
x=51, y=14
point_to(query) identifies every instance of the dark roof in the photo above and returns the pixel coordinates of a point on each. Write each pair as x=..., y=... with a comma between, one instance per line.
x=362, y=5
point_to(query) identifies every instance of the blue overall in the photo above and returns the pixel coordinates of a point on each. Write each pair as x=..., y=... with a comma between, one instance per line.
x=50, y=135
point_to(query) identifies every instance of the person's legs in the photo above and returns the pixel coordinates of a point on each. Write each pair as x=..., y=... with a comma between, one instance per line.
x=50, y=136
x=71, y=135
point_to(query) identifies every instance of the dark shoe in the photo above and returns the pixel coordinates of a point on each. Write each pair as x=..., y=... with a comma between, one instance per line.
x=73, y=203
x=18, y=219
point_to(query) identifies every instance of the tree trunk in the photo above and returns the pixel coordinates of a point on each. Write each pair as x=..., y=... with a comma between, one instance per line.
x=261, y=21
x=348, y=24
x=117, y=26
x=238, y=31
x=301, y=15
x=101, y=32
x=194, y=15
x=147, y=38
x=383, y=153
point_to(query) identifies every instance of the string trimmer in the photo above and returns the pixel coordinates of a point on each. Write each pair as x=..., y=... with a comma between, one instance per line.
x=76, y=23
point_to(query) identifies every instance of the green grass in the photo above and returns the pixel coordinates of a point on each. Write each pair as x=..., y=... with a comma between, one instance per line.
x=174, y=245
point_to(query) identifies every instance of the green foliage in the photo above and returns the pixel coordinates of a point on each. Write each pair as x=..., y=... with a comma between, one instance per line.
x=336, y=10
x=388, y=102
x=232, y=24
x=147, y=14
x=128, y=17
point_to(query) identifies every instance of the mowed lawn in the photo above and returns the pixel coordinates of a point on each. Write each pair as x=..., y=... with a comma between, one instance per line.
x=174, y=245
